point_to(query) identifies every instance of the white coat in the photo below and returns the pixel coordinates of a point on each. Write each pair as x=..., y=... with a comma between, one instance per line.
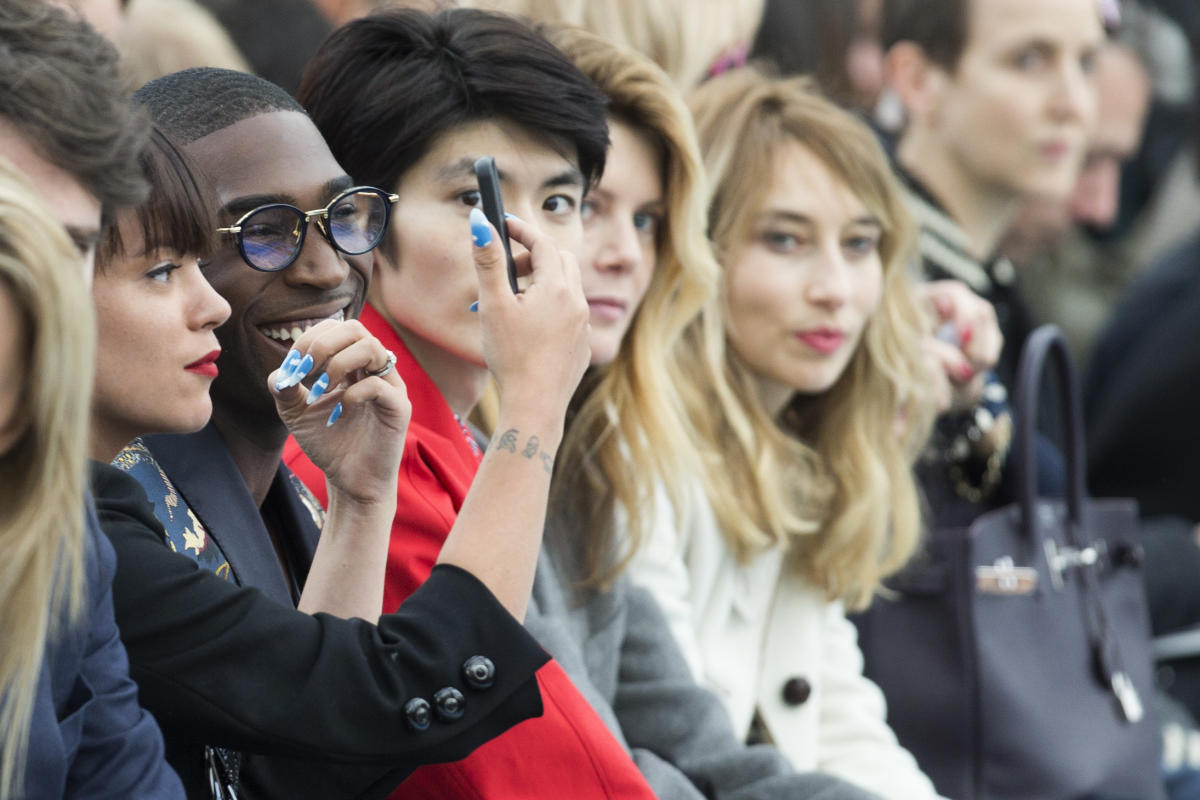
x=749, y=629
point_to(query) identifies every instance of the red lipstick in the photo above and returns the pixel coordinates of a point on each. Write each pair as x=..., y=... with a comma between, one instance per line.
x=206, y=365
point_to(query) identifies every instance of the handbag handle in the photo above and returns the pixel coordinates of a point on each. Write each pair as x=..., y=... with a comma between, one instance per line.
x=1046, y=344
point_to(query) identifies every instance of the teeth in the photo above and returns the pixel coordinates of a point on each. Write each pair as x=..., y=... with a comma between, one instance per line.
x=297, y=330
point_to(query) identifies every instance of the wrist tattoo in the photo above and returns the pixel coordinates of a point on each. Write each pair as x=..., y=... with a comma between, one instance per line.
x=531, y=450
x=531, y=447
x=508, y=441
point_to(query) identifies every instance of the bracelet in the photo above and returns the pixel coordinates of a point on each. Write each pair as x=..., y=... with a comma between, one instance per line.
x=982, y=434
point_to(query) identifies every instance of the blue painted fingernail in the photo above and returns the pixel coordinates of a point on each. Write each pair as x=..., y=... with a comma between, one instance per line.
x=290, y=361
x=333, y=415
x=318, y=389
x=481, y=232
x=513, y=216
x=297, y=375
x=473, y=307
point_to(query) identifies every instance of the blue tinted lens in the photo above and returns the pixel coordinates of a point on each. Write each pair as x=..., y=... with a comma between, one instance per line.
x=357, y=221
x=271, y=237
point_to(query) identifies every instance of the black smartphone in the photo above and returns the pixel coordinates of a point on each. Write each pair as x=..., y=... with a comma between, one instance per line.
x=493, y=209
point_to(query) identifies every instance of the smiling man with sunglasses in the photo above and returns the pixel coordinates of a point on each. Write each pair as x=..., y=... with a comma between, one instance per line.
x=224, y=657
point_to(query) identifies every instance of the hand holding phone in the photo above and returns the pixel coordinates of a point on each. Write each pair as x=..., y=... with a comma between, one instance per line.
x=493, y=209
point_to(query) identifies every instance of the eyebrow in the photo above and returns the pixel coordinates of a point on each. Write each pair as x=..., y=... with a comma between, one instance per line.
x=465, y=167
x=803, y=219
x=240, y=205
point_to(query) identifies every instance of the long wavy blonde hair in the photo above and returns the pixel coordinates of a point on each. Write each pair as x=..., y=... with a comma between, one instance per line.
x=684, y=37
x=831, y=478
x=627, y=423
x=42, y=476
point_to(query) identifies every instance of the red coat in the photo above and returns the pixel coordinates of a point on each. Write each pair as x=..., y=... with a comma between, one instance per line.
x=568, y=751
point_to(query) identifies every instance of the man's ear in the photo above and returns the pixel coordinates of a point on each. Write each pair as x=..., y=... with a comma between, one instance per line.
x=916, y=80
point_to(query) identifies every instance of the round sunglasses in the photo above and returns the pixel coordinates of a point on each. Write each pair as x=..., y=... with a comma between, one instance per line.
x=269, y=238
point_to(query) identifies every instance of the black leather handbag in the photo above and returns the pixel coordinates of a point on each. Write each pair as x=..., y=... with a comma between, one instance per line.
x=1015, y=654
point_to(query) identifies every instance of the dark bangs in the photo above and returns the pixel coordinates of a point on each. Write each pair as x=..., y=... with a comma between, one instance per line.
x=177, y=216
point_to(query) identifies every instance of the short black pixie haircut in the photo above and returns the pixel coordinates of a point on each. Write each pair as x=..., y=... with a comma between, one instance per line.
x=192, y=103
x=177, y=215
x=384, y=88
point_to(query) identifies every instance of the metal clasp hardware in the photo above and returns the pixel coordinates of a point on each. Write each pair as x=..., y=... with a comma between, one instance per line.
x=1060, y=559
x=1002, y=577
x=1127, y=697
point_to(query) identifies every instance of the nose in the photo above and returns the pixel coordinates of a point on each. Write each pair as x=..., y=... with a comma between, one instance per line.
x=208, y=309
x=828, y=281
x=617, y=247
x=1075, y=94
x=318, y=264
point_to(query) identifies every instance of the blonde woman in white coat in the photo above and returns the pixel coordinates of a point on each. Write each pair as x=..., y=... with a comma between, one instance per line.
x=810, y=390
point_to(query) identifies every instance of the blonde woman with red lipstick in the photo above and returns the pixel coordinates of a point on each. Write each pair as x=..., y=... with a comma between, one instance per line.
x=810, y=410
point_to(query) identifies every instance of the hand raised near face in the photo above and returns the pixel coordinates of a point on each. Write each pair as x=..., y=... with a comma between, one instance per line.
x=353, y=419
x=965, y=341
x=536, y=343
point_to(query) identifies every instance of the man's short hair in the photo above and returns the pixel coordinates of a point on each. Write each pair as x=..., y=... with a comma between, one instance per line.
x=384, y=88
x=61, y=90
x=940, y=29
x=192, y=103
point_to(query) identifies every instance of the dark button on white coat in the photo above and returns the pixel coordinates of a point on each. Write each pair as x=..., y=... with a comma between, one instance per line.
x=796, y=691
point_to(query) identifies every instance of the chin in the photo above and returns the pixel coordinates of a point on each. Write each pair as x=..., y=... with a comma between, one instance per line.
x=194, y=420
x=603, y=355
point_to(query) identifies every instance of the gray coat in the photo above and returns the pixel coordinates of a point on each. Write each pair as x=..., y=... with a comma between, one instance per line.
x=617, y=648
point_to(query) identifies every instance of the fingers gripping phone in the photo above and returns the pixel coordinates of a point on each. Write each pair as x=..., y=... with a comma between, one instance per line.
x=493, y=209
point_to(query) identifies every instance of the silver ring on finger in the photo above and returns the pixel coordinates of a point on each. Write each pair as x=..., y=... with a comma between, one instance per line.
x=386, y=368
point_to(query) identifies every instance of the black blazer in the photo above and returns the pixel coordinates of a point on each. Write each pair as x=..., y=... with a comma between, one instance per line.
x=239, y=667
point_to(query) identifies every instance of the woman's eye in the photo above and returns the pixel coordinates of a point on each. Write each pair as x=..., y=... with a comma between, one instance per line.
x=559, y=204
x=162, y=273
x=645, y=222
x=1030, y=60
x=861, y=245
x=1087, y=63
x=781, y=242
x=471, y=198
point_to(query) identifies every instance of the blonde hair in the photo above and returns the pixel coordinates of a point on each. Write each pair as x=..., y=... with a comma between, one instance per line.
x=830, y=478
x=42, y=476
x=627, y=423
x=684, y=37
x=165, y=36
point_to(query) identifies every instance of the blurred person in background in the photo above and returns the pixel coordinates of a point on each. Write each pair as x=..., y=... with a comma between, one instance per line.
x=165, y=36
x=1000, y=103
x=1063, y=273
x=277, y=37
x=689, y=39
x=834, y=41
